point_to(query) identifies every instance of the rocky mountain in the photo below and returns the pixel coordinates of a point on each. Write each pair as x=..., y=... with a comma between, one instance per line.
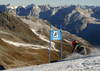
x=24, y=41
x=82, y=21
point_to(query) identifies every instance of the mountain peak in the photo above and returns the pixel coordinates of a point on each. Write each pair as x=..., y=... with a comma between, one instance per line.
x=9, y=4
x=23, y=6
x=31, y=5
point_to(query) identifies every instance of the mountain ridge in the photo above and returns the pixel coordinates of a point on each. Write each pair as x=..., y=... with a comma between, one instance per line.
x=74, y=18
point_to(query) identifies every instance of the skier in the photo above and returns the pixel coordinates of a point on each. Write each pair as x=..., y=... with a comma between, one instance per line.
x=81, y=50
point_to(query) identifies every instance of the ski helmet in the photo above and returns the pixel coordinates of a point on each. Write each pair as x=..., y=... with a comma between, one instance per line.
x=74, y=42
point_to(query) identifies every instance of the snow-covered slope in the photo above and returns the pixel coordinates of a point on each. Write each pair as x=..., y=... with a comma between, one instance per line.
x=88, y=63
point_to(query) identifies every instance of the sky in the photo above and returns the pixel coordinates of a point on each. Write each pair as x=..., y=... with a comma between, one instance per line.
x=52, y=2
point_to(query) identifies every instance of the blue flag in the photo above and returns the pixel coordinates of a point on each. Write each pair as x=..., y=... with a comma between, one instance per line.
x=55, y=35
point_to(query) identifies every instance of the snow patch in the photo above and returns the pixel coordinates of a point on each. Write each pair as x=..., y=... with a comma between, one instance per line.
x=27, y=45
x=67, y=40
x=24, y=45
x=11, y=6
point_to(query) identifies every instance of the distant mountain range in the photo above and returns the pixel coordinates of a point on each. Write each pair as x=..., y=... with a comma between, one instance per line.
x=83, y=21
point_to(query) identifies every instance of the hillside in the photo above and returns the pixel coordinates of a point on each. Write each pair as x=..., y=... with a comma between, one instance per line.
x=25, y=42
x=12, y=31
x=11, y=25
x=14, y=57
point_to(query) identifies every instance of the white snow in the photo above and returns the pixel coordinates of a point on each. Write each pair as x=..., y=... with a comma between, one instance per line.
x=23, y=6
x=11, y=6
x=23, y=44
x=2, y=32
x=67, y=41
x=27, y=45
x=88, y=63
